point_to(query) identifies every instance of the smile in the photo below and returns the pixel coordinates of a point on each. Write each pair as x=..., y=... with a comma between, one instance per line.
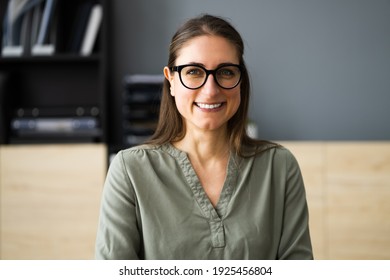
x=208, y=106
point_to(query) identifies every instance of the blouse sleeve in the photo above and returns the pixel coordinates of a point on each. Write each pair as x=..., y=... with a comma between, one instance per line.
x=118, y=235
x=295, y=241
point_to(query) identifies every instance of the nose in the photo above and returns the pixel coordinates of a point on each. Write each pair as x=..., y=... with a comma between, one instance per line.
x=211, y=87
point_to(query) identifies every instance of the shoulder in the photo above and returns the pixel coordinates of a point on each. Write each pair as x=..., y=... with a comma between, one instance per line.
x=138, y=153
x=283, y=153
x=139, y=150
x=134, y=161
x=275, y=155
x=270, y=150
x=148, y=155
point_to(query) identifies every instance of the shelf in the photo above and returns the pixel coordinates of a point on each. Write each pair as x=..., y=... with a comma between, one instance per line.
x=63, y=79
x=60, y=58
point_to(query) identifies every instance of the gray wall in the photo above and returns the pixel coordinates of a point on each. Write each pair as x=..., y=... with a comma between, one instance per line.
x=320, y=69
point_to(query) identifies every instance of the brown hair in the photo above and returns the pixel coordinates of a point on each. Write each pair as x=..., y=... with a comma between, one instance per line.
x=170, y=126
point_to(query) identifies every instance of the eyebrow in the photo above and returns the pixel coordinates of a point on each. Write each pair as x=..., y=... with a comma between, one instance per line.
x=219, y=65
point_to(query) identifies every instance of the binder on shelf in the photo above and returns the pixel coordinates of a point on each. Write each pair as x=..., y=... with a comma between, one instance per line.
x=25, y=32
x=47, y=17
x=54, y=125
x=45, y=43
x=9, y=51
x=49, y=130
x=91, y=32
x=35, y=23
x=12, y=25
x=79, y=26
x=55, y=111
x=27, y=27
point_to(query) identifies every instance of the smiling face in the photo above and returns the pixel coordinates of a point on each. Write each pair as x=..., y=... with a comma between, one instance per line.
x=209, y=107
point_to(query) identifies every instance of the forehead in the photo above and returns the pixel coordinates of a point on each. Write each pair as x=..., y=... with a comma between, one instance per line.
x=208, y=50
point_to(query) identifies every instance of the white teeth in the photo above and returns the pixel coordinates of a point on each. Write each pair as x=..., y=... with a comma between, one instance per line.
x=209, y=106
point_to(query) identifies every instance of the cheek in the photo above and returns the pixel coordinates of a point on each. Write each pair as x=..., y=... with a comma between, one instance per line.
x=235, y=101
x=183, y=100
x=176, y=87
x=181, y=94
x=172, y=89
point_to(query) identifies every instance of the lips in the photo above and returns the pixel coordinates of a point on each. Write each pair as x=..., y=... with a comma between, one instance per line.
x=208, y=105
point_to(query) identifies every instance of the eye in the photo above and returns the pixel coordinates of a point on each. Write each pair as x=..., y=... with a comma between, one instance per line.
x=227, y=72
x=193, y=71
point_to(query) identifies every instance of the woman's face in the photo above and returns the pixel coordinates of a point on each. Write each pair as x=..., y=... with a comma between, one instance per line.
x=210, y=106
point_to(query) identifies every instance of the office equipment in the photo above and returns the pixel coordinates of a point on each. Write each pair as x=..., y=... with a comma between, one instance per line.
x=141, y=102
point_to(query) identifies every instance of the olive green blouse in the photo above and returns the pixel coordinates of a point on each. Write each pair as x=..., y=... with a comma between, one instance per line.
x=154, y=207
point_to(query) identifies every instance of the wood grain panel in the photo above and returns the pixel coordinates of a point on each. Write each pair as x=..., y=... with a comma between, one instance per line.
x=358, y=200
x=50, y=197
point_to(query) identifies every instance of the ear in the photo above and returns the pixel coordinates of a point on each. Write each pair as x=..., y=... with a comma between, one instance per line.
x=169, y=76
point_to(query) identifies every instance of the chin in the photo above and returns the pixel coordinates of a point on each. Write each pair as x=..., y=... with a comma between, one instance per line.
x=212, y=126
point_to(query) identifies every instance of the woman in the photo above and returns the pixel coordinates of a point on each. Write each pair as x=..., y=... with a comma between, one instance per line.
x=201, y=188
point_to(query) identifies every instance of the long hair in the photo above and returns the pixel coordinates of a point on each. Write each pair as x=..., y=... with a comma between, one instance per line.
x=170, y=127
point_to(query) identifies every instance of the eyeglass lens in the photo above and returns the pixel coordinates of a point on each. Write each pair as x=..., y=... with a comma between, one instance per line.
x=226, y=76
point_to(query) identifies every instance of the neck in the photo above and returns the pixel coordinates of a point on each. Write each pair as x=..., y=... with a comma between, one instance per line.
x=204, y=147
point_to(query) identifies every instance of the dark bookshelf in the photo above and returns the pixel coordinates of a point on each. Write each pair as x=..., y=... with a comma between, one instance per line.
x=64, y=79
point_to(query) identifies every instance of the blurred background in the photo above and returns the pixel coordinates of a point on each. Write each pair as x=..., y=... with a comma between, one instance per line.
x=319, y=69
x=320, y=73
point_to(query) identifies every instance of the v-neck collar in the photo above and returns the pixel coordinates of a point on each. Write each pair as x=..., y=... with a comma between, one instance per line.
x=212, y=213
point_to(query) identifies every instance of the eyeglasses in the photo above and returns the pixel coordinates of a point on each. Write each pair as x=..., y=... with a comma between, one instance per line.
x=194, y=76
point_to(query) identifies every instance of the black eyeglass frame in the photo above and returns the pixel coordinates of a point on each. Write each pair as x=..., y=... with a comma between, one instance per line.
x=178, y=69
